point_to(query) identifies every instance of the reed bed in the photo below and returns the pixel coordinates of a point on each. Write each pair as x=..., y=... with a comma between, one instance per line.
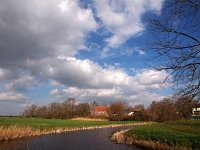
x=17, y=132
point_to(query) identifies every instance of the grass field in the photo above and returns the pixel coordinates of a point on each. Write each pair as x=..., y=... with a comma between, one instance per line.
x=179, y=133
x=54, y=123
x=16, y=127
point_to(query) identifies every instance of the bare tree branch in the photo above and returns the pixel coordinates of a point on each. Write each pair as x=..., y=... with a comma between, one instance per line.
x=176, y=40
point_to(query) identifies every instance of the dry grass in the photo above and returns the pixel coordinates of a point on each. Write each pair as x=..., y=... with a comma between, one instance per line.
x=16, y=131
x=89, y=119
x=120, y=138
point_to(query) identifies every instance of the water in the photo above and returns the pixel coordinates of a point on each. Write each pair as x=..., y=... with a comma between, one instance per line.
x=98, y=139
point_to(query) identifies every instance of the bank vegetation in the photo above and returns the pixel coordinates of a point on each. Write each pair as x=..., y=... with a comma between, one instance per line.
x=16, y=128
x=175, y=135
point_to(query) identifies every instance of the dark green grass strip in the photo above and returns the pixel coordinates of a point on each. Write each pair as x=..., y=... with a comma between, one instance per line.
x=179, y=133
x=54, y=123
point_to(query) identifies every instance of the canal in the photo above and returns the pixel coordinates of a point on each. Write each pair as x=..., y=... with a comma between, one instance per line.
x=97, y=139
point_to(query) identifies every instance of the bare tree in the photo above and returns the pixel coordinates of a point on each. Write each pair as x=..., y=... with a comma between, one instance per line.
x=118, y=108
x=30, y=111
x=69, y=107
x=184, y=107
x=176, y=40
x=163, y=110
x=83, y=110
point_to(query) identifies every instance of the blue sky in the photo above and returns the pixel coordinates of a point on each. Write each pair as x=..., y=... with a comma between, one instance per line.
x=89, y=50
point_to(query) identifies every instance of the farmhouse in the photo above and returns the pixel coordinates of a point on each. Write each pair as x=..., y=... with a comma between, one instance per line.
x=99, y=111
x=196, y=111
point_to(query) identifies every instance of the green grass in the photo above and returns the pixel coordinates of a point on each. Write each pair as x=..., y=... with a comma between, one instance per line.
x=184, y=133
x=54, y=123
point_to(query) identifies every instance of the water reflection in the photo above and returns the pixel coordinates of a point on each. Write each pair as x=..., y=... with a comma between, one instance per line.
x=98, y=139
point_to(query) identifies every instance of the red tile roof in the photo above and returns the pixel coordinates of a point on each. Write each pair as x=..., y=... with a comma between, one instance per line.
x=100, y=108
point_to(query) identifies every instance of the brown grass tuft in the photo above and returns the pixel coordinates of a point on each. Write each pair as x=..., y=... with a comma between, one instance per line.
x=88, y=119
x=16, y=132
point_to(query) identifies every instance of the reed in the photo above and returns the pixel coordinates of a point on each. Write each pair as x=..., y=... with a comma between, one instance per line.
x=16, y=131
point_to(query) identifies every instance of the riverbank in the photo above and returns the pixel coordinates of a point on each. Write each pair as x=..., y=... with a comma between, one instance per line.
x=178, y=135
x=15, y=128
x=97, y=139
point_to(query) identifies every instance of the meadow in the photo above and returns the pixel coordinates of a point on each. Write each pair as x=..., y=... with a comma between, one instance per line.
x=17, y=127
x=184, y=133
x=54, y=123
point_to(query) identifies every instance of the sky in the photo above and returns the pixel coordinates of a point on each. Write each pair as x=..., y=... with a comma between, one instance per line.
x=91, y=50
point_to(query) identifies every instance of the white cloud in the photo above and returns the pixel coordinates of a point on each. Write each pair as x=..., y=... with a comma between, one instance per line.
x=70, y=71
x=3, y=73
x=88, y=80
x=15, y=97
x=39, y=40
x=141, y=52
x=130, y=51
x=22, y=83
x=123, y=18
x=34, y=29
x=106, y=95
x=149, y=77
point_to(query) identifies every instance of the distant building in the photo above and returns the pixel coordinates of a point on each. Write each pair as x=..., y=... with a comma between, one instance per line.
x=134, y=110
x=99, y=111
x=196, y=111
x=130, y=113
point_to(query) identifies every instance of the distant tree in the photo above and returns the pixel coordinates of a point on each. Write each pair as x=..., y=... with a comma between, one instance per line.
x=63, y=110
x=41, y=112
x=184, y=106
x=142, y=115
x=30, y=111
x=141, y=107
x=153, y=111
x=176, y=40
x=54, y=110
x=83, y=109
x=70, y=107
x=118, y=108
x=163, y=110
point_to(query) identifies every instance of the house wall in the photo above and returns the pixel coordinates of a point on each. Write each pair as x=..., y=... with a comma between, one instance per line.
x=99, y=114
x=196, y=112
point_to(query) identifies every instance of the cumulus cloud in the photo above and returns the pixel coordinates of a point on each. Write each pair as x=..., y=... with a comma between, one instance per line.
x=21, y=84
x=70, y=71
x=3, y=73
x=15, y=97
x=34, y=29
x=87, y=94
x=123, y=18
x=39, y=41
x=106, y=95
x=88, y=81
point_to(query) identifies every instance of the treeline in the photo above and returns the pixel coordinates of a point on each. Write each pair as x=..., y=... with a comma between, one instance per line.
x=168, y=109
x=65, y=110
